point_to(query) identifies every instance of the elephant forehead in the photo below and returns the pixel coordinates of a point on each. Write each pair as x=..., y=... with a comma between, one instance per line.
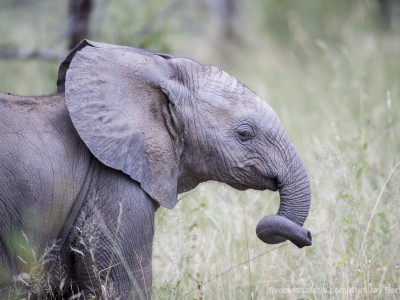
x=252, y=108
x=229, y=98
x=231, y=94
x=226, y=111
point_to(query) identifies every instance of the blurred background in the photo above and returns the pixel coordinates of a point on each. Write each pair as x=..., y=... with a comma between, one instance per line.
x=331, y=71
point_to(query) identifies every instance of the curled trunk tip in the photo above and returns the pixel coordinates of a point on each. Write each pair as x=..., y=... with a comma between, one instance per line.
x=277, y=229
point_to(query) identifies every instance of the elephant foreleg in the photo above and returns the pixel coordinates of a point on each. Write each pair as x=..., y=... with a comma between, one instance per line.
x=111, y=247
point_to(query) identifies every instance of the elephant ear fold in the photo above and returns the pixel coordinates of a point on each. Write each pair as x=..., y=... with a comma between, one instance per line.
x=118, y=103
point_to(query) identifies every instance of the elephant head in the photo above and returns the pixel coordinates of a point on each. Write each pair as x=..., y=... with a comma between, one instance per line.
x=172, y=123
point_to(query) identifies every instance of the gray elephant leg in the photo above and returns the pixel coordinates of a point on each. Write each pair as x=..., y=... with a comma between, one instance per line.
x=111, y=244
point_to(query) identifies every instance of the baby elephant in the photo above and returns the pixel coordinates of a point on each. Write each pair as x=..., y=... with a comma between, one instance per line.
x=83, y=172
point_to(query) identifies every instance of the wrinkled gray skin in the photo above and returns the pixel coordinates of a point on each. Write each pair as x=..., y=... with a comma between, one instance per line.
x=129, y=130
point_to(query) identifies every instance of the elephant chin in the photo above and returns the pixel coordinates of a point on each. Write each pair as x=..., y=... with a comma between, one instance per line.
x=277, y=229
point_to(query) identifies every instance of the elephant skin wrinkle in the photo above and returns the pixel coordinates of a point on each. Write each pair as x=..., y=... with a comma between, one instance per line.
x=83, y=172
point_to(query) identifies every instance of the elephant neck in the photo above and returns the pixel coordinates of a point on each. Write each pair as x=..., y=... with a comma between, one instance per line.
x=188, y=181
x=194, y=163
x=192, y=172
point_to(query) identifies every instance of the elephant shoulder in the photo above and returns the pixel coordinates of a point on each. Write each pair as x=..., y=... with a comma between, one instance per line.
x=21, y=104
x=38, y=132
x=43, y=162
x=44, y=114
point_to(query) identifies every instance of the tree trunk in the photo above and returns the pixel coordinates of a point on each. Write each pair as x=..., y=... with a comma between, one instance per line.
x=79, y=16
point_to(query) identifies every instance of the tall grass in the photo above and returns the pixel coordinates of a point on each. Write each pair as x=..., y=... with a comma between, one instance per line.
x=338, y=99
x=334, y=81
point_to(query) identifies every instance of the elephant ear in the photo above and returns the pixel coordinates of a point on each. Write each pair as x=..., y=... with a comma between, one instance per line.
x=118, y=103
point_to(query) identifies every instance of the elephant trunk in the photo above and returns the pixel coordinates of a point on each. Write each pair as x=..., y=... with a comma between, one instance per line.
x=295, y=194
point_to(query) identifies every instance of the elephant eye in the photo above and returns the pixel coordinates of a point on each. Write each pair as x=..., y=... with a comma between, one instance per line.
x=245, y=134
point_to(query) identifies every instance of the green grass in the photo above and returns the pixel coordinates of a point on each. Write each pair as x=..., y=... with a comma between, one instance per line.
x=338, y=99
x=334, y=80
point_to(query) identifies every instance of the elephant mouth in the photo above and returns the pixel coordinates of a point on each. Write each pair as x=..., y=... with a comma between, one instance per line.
x=271, y=184
x=265, y=184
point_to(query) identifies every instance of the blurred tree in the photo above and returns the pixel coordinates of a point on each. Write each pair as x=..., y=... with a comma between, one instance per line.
x=384, y=13
x=388, y=11
x=142, y=23
x=226, y=12
x=78, y=23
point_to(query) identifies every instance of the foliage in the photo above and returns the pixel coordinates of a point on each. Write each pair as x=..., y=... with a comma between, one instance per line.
x=333, y=78
x=138, y=23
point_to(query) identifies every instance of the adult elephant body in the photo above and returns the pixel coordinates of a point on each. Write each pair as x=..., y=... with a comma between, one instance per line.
x=83, y=172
